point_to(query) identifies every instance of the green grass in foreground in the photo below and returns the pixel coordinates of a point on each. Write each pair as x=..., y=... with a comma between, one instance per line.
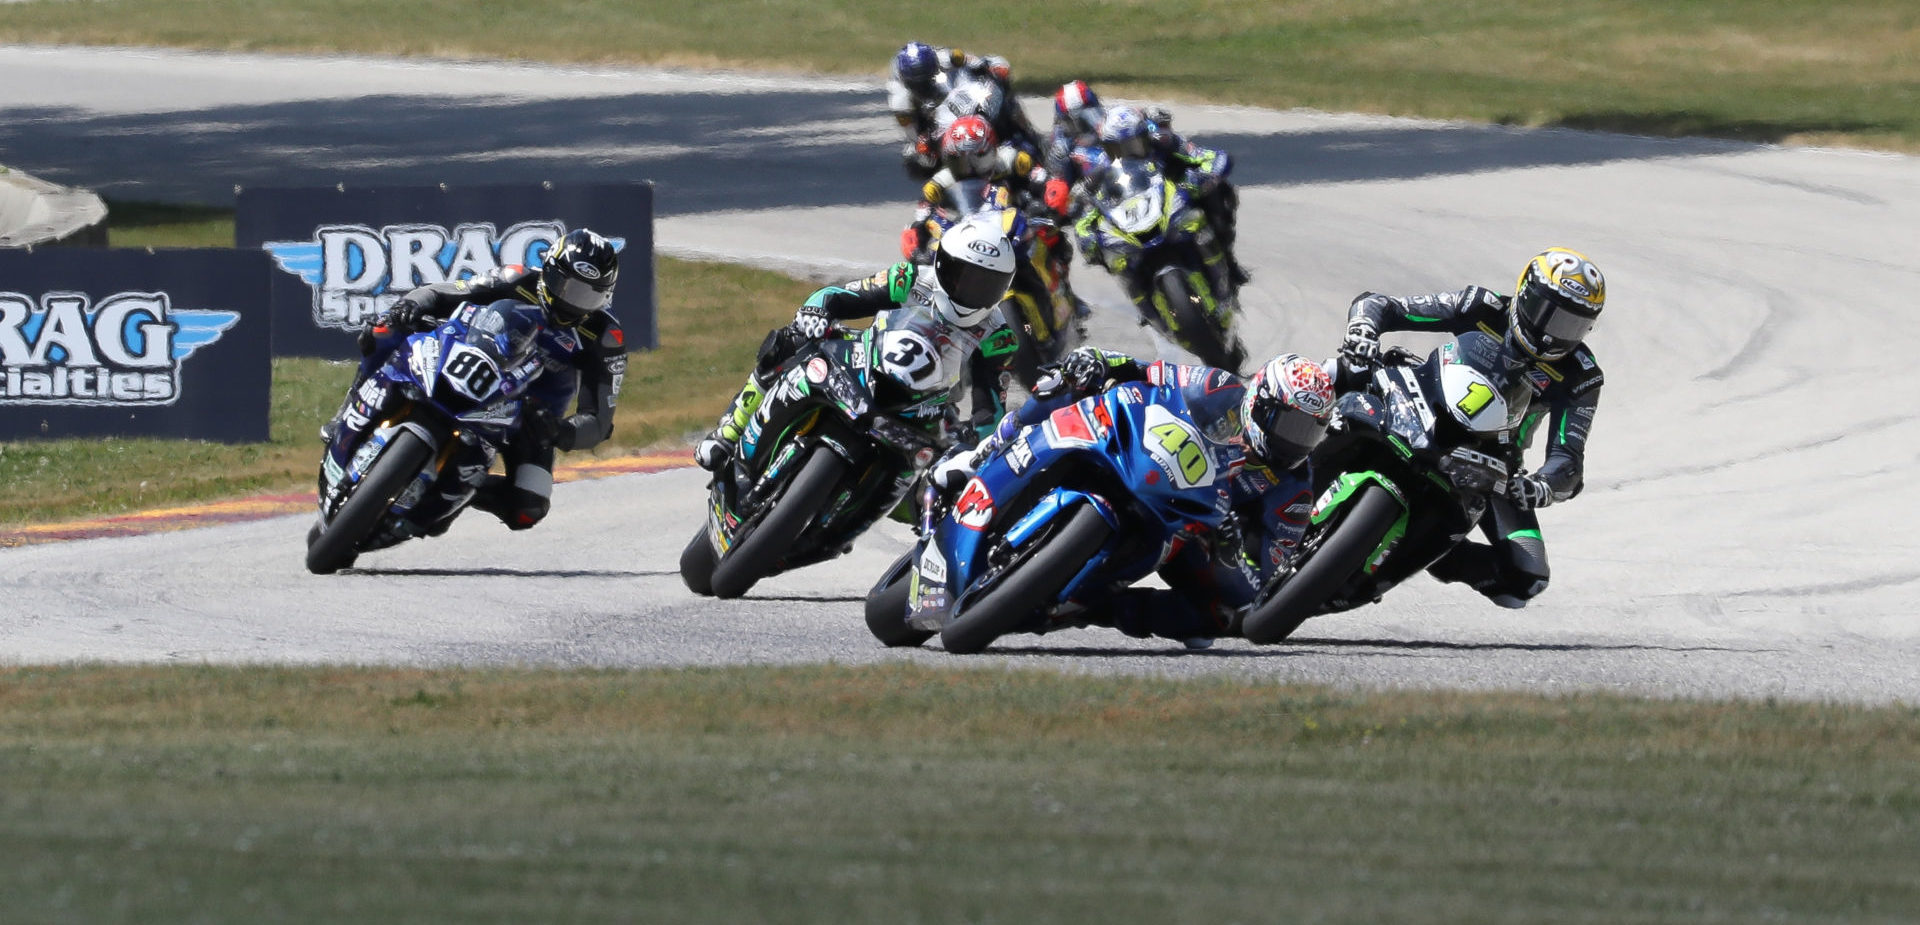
x=1768, y=70
x=705, y=311
x=905, y=794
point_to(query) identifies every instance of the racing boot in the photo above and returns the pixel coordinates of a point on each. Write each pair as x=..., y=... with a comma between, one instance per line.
x=714, y=451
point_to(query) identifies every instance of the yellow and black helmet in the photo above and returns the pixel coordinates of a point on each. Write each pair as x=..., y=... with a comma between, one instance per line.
x=1555, y=303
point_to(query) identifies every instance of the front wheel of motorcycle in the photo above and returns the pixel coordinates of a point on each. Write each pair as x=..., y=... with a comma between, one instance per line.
x=755, y=555
x=1213, y=343
x=1339, y=558
x=696, y=563
x=887, y=607
x=332, y=549
x=1031, y=584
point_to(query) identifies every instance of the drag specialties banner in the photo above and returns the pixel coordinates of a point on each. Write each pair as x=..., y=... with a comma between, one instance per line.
x=343, y=255
x=169, y=343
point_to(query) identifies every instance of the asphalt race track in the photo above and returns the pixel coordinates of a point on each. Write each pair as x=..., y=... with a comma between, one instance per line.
x=1745, y=530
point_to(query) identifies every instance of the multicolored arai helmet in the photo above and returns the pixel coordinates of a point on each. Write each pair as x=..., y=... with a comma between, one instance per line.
x=1555, y=303
x=577, y=276
x=1288, y=405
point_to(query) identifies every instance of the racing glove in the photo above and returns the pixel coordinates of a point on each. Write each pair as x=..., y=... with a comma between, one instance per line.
x=1229, y=544
x=954, y=470
x=1529, y=492
x=1362, y=346
x=811, y=322
x=1057, y=195
x=408, y=315
x=1085, y=370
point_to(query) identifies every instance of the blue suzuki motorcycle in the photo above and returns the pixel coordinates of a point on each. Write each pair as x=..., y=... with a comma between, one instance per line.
x=1097, y=496
x=418, y=435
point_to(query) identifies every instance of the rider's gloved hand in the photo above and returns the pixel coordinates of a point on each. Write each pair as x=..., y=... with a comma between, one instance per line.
x=1229, y=544
x=954, y=470
x=811, y=322
x=998, y=67
x=539, y=424
x=408, y=315
x=1528, y=492
x=1085, y=370
x=1362, y=346
x=1057, y=195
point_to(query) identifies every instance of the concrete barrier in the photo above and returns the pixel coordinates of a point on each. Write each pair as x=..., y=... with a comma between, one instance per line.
x=34, y=212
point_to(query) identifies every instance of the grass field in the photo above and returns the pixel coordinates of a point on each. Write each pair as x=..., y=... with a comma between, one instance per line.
x=668, y=394
x=902, y=794
x=1768, y=70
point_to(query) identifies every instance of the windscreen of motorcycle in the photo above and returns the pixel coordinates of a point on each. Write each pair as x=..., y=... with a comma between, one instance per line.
x=1132, y=195
x=1476, y=387
x=908, y=357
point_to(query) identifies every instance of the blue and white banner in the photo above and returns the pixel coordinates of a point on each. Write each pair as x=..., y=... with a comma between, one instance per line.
x=345, y=255
x=97, y=342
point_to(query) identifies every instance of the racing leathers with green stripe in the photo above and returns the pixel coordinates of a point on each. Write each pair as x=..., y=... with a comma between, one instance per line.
x=1512, y=568
x=900, y=297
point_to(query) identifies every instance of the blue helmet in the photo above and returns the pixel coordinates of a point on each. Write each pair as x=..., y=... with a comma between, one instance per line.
x=1125, y=133
x=917, y=66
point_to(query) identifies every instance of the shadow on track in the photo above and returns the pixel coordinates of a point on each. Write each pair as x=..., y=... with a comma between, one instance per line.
x=1303, y=646
x=1504, y=646
x=705, y=151
x=497, y=572
x=807, y=598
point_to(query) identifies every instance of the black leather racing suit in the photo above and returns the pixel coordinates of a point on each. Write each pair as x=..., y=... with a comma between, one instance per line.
x=1566, y=392
x=586, y=363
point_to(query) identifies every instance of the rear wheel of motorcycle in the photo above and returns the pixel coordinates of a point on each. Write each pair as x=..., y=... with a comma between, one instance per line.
x=333, y=548
x=696, y=564
x=1032, y=584
x=755, y=555
x=1341, y=556
x=1199, y=332
x=887, y=607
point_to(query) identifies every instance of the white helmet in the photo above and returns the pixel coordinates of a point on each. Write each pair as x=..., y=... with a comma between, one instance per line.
x=972, y=269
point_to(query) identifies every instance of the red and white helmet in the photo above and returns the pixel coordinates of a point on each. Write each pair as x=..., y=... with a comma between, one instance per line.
x=1288, y=406
x=968, y=147
x=1076, y=103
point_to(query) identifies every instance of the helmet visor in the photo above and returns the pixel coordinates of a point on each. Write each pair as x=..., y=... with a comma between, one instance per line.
x=970, y=285
x=1291, y=433
x=576, y=296
x=1551, y=323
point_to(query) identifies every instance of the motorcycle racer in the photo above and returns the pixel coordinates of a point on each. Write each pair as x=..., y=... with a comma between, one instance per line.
x=1274, y=419
x=922, y=77
x=1556, y=300
x=1073, y=150
x=952, y=302
x=971, y=150
x=1127, y=132
x=580, y=345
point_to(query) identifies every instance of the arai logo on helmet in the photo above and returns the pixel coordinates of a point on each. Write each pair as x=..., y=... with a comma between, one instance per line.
x=358, y=271
x=983, y=248
x=586, y=270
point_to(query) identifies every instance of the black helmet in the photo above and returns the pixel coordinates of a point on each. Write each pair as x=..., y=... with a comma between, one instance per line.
x=576, y=278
